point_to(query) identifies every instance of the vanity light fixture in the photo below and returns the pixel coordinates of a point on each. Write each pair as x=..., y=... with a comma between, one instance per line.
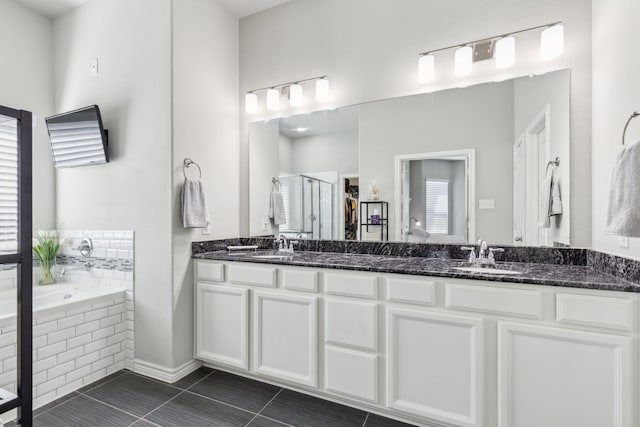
x=273, y=99
x=251, y=103
x=505, y=52
x=296, y=95
x=292, y=90
x=552, y=42
x=426, y=68
x=464, y=60
x=322, y=90
x=502, y=48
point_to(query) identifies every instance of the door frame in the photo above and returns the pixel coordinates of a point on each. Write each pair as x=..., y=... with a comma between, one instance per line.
x=470, y=161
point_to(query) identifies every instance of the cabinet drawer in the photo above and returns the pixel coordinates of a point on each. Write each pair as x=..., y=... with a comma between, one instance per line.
x=603, y=312
x=483, y=299
x=300, y=280
x=209, y=271
x=254, y=276
x=352, y=373
x=352, y=323
x=352, y=285
x=411, y=291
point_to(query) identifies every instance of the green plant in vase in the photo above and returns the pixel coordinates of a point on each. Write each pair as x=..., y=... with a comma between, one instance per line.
x=46, y=247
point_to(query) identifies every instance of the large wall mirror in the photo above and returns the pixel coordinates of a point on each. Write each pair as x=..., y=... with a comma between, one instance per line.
x=488, y=161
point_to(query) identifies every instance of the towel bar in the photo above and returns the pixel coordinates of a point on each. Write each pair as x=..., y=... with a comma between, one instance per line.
x=187, y=164
x=631, y=117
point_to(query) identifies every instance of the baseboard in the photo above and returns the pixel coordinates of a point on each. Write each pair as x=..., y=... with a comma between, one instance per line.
x=163, y=373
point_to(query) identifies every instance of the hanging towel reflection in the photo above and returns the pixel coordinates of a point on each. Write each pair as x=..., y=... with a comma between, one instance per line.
x=276, y=208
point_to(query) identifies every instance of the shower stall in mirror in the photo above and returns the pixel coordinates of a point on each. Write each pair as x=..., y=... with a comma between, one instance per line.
x=308, y=203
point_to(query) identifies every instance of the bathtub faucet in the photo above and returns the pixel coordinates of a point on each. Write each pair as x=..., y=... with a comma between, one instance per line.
x=85, y=267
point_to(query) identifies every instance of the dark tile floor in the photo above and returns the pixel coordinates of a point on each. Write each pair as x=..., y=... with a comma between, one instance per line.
x=204, y=398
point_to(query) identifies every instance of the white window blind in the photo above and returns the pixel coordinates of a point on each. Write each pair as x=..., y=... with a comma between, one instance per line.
x=8, y=184
x=286, y=200
x=437, y=206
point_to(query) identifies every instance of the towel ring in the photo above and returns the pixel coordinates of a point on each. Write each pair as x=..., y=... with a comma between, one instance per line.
x=631, y=117
x=187, y=164
x=276, y=182
x=555, y=163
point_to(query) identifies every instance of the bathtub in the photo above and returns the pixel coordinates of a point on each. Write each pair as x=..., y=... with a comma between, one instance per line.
x=58, y=297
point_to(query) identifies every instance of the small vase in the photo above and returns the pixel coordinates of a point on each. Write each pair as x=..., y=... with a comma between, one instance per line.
x=373, y=197
x=47, y=273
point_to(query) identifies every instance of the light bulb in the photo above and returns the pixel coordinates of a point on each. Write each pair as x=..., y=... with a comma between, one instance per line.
x=251, y=103
x=273, y=99
x=463, y=60
x=505, y=52
x=322, y=90
x=295, y=95
x=552, y=42
x=426, y=68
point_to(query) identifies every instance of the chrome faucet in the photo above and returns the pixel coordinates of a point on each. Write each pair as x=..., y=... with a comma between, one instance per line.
x=85, y=267
x=485, y=254
x=285, y=245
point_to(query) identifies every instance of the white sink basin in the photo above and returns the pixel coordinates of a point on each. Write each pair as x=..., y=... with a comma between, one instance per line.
x=486, y=270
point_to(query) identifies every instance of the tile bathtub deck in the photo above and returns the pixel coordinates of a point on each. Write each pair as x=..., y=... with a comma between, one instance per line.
x=204, y=398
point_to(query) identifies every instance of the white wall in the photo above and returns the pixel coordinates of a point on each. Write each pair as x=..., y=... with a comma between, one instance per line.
x=132, y=41
x=371, y=53
x=205, y=117
x=616, y=93
x=336, y=151
x=26, y=83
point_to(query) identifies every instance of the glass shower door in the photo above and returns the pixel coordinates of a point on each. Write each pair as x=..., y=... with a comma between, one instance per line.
x=15, y=248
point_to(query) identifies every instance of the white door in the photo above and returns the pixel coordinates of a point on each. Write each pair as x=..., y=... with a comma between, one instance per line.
x=221, y=325
x=555, y=377
x=434, y=366
x=519, y=193
x=406, y=198
x=285, y=337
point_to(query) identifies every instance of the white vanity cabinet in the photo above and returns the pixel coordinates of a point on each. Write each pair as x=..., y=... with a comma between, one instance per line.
x=433, y=351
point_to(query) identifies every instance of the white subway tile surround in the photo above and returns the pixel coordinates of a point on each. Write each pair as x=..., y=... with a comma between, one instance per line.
x=75, y=345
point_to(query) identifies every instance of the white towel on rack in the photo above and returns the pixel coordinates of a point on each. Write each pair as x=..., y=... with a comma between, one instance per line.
x=556, y=200
x=544, y=200
x=623, y=216
x=194, y=208
x=276, y=208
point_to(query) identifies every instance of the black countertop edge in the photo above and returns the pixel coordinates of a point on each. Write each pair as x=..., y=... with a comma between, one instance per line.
x=533, y=273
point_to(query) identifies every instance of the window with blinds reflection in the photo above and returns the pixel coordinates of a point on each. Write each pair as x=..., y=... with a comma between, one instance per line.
x=8, y=184
x=437, y=206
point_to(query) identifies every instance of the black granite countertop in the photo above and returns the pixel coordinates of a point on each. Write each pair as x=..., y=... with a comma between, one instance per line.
x=575, y=276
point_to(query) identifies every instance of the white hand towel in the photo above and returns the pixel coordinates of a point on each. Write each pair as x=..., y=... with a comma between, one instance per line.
x=544, y=201
x=623, y=217
x=194, y=209
x=556, y=200
x=276, y=208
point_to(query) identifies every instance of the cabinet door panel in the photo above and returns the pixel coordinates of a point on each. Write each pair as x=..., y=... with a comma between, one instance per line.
x=352, y=373
x=556, y=377
x=221, y=325
x=285, y=337
x=435, y=365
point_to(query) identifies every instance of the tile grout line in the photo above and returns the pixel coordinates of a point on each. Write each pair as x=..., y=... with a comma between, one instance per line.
x=218, y=401
x=201, y=379
x=365, y=419
x=109, y=405
x=161, y=405
x=55, y=406
x=122, y=372
x=265, y=405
